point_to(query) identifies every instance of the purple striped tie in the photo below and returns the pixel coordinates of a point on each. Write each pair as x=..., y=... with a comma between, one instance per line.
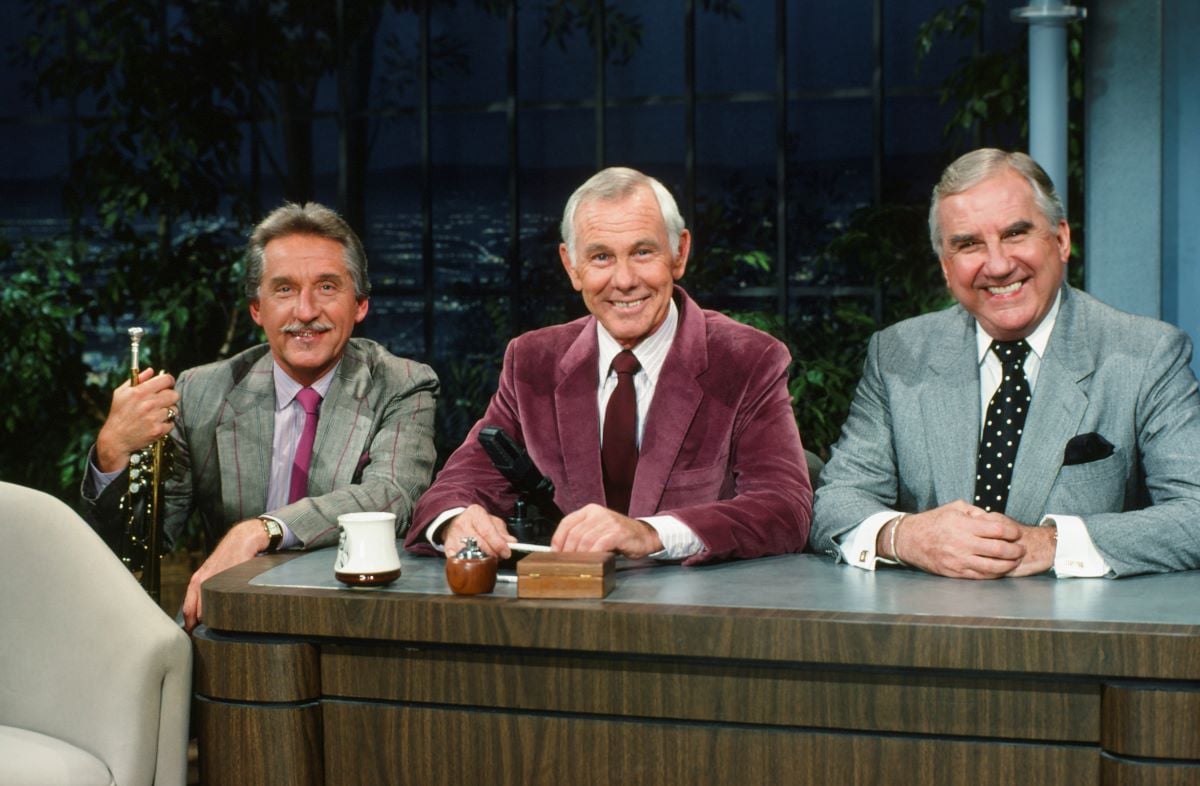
x=311, y=401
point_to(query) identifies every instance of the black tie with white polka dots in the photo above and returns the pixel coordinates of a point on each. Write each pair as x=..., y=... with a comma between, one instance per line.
x=1002, y=428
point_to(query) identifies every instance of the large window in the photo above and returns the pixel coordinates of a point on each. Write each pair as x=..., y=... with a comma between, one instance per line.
x=451, y=134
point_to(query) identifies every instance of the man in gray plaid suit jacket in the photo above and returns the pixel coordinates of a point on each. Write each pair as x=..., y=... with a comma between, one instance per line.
x=237, y=423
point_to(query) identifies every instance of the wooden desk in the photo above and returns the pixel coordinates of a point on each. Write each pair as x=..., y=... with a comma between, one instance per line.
x=780, y=670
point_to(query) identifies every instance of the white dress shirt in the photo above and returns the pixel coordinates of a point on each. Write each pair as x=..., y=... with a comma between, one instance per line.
x=1075, y=554
x=289, y=423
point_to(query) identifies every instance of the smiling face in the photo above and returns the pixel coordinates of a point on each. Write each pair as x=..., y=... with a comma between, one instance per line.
x=626, y=268
x=1001, y=259
x=306, y=304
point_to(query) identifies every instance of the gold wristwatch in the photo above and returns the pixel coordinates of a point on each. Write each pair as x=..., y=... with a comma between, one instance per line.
x=274, y=532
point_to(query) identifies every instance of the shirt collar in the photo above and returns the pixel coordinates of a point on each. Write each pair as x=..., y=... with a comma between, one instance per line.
x=1037, y=340
x=286, y=388
x=650, y=351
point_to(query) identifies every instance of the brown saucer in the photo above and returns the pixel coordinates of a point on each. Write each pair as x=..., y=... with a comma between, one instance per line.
x=368, y=579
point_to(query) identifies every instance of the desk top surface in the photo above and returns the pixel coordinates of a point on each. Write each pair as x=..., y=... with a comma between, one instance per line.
x=809, y=583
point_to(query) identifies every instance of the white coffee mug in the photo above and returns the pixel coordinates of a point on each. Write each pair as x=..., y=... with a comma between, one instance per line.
x=367, y=555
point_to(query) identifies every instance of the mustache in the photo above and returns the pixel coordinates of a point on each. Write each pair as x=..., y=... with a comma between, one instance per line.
x=302, y=327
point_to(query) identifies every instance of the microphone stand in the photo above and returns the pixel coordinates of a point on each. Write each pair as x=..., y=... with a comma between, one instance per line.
x=535, y=514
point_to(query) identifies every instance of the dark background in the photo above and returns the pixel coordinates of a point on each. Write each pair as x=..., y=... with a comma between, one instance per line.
x=141, y=139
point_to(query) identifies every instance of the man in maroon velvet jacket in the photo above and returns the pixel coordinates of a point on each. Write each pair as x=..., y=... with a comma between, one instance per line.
x=720, y=471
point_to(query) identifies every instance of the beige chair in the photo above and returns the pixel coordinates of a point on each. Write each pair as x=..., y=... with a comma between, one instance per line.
x=95, y=680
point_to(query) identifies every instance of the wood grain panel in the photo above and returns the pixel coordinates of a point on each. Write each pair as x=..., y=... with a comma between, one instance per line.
x=249, y=669
x=247, y=745
x=735, y=693
x=1152, y=720
x=436, y=689
x=397, y=745
x=1117, y=650
x=1123, y=772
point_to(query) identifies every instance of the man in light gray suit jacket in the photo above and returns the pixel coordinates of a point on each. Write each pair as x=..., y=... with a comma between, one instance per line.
x=238, y=424
x=1106, y=475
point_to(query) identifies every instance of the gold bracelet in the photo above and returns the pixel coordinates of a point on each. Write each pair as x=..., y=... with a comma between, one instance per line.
x=892, y=540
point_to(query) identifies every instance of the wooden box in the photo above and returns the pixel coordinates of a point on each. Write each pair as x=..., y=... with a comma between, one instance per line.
x=557, y=574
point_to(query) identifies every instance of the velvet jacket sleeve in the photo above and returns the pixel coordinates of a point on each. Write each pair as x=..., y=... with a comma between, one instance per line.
x=469, y=476
x=756, y=500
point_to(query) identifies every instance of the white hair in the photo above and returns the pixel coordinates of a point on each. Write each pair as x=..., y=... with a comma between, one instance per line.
x=971, y=169
x=617, y=183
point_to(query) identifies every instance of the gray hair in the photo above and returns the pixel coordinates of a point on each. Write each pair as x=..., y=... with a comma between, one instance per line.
x=617, y=183
x=310, y=218
x=973, y=168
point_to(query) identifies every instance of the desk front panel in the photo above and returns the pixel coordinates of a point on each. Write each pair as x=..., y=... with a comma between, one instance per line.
x=716, y=691
x=1060, y=682
x=437, y=746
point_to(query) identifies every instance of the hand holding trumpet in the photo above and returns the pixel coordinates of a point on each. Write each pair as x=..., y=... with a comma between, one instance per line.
x=140, y=414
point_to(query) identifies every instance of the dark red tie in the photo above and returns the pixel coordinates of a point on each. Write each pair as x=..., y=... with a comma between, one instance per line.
x=618, y=451
x=311, y=401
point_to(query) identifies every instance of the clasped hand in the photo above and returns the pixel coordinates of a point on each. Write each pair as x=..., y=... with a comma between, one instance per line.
x=139, y=415
x=965, y=541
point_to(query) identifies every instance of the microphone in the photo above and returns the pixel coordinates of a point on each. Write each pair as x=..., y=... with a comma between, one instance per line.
x=534, y=488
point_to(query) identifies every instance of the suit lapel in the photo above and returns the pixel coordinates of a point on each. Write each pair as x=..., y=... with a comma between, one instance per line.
x=950, y=410
x=578, y=419
x=244, y=443
x=344, y=426
x=1059, y=401
x=677, y=397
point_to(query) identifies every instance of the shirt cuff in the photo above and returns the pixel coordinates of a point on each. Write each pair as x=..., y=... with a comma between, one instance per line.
x=678, y=539
x=97, y=481
x=858, y=544
x=435, y=527
x=1075, y=555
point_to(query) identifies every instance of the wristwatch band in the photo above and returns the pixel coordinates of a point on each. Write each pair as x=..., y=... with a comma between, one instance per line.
x=274, y=532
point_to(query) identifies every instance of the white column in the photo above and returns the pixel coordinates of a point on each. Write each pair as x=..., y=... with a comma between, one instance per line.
x=1047, y=20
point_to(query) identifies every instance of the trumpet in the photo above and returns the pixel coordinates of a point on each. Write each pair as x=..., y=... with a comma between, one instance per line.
x=142, y=505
